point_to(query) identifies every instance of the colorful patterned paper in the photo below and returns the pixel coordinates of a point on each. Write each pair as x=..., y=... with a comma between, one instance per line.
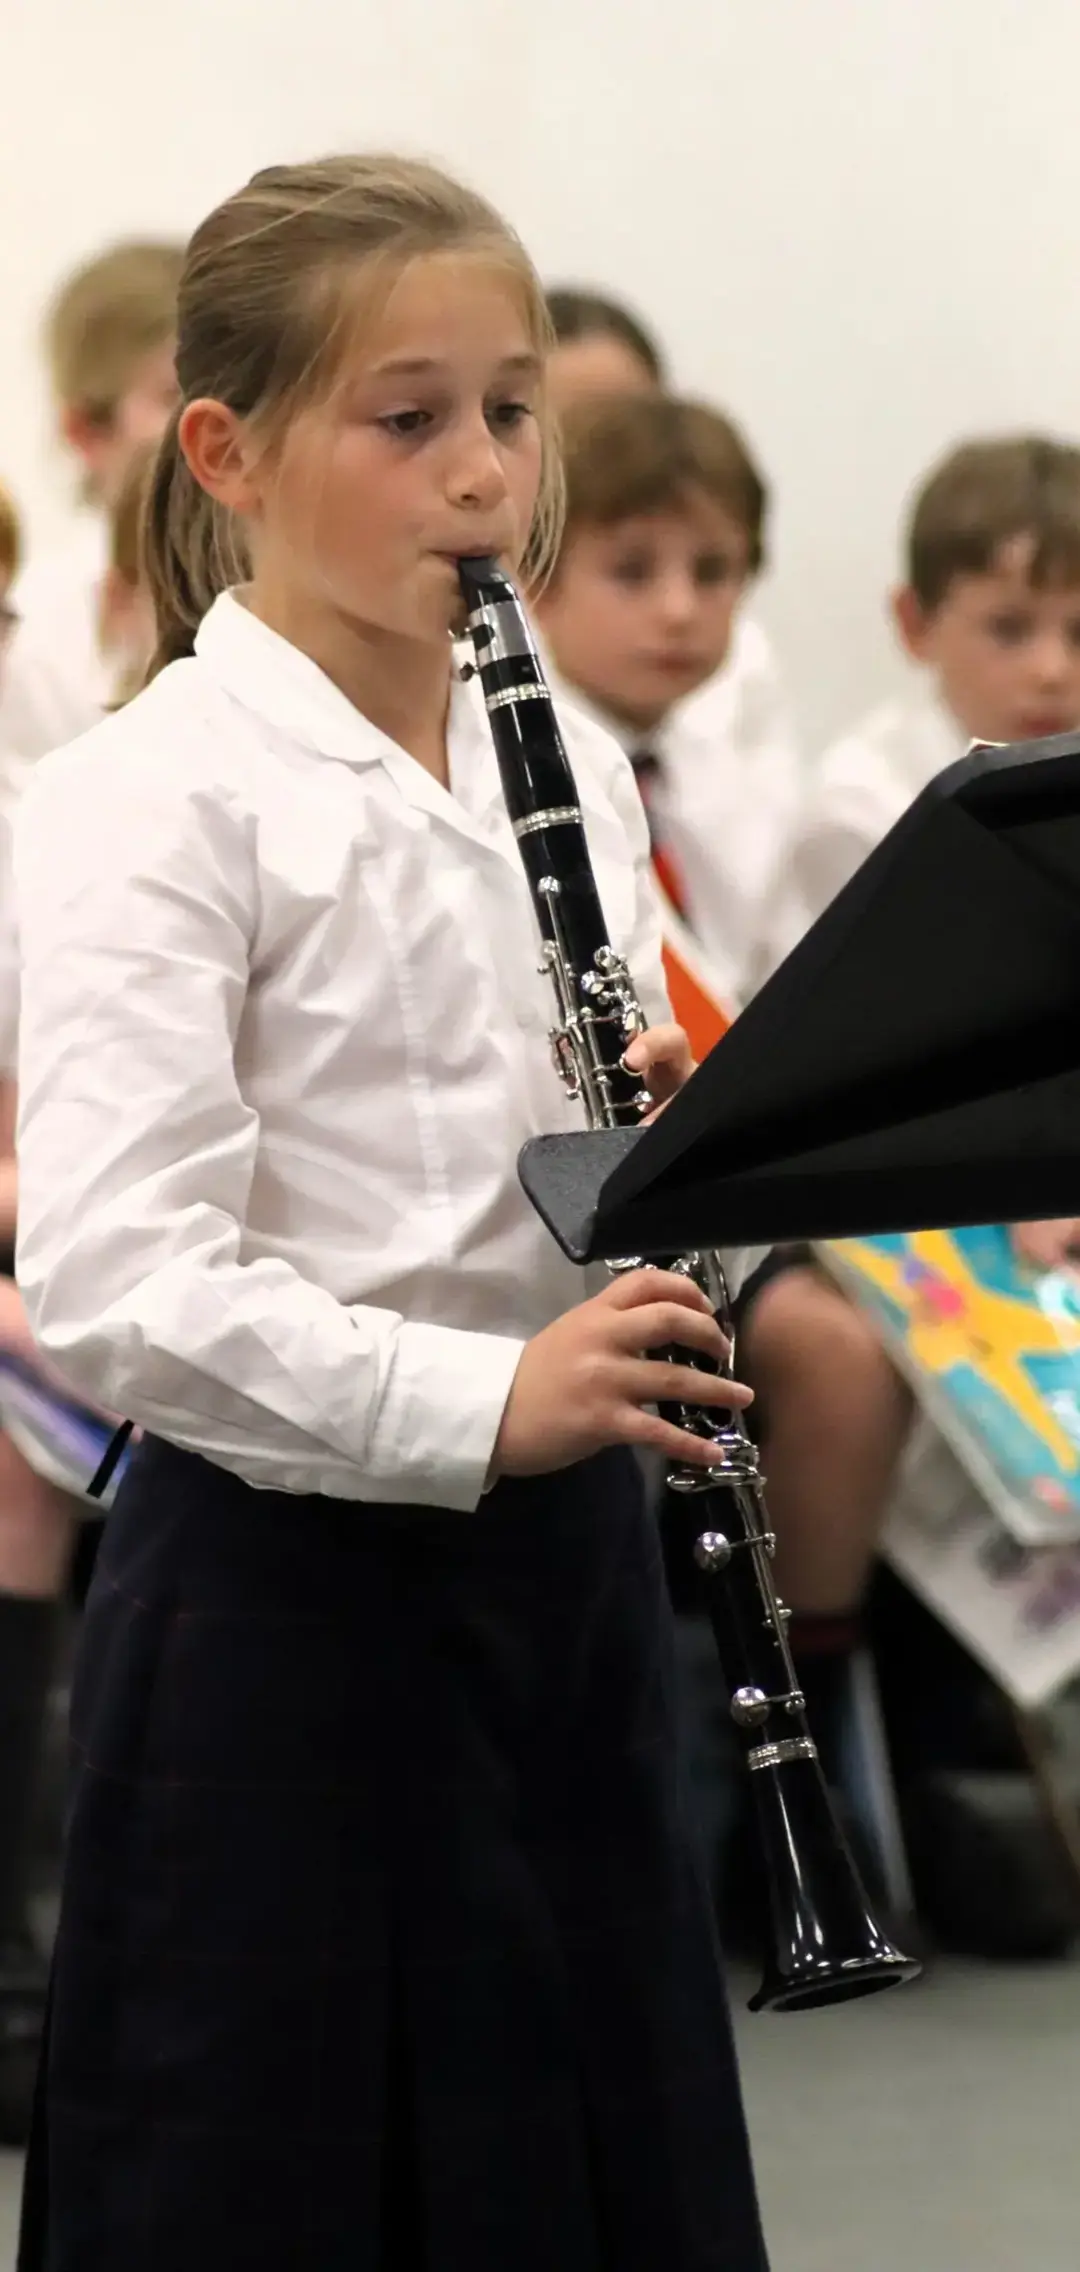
x=994, y=1349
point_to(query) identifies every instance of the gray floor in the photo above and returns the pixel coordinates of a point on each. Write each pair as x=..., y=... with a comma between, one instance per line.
x=934, y=2130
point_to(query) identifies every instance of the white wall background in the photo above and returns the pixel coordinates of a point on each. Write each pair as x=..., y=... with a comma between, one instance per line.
x=855, y=222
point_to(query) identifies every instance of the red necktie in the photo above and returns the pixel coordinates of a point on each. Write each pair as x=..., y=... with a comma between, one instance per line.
x=649, y=774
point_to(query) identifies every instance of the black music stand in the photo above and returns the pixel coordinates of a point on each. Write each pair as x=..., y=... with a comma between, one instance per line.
x=914, y=1063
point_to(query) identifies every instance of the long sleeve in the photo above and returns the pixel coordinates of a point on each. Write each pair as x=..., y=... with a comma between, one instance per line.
x=138, y=909
x=840, y=823
x=854, y=796
x=839, y=830
x=734, y=782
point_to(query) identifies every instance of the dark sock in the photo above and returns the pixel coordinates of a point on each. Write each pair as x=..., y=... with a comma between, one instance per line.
x=27, y=1630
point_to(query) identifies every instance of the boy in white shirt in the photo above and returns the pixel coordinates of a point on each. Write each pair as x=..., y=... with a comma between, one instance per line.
x=666, y=533
x=109, y=342
x=990, y=610
x=603, y=350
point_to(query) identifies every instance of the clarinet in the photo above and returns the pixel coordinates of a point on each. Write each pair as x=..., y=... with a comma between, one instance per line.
x=825, y=1944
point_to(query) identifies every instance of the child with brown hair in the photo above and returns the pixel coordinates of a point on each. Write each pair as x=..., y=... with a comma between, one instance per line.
x=601, y=348
x=989, y=609
x=378, y=1797
x=665, y=534
x=109, y=343
x=603, y=351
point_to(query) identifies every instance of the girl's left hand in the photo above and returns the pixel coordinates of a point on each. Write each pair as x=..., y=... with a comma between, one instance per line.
x=662, y=1056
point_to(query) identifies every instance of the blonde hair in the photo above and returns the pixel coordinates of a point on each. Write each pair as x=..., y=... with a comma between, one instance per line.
x=114, y=310
x=10, y=535
x=126, y=561
x=263, y=326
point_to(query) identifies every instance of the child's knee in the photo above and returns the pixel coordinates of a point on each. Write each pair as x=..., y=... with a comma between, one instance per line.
x=803, y=1328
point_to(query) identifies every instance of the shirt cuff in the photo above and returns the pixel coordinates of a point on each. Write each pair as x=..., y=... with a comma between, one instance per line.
x=440, y=1414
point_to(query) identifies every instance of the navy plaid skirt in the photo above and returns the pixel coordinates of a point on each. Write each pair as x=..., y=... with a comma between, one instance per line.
x=384, y=1943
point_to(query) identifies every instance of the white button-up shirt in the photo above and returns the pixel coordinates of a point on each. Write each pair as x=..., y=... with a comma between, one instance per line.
x=283, y=1033
x=731, y=787
x=726, y=802
x=55, y=682
x=860, y=789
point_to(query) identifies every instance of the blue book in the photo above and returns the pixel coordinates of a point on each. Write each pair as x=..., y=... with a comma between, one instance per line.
x=63, y=1439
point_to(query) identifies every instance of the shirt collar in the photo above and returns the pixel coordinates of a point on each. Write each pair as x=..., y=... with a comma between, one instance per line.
x=279, y=684
x=272, y=678
x=634, y=741
x=563, y=692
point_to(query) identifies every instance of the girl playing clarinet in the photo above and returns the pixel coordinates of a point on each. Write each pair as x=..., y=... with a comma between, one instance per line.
x=384, y=1942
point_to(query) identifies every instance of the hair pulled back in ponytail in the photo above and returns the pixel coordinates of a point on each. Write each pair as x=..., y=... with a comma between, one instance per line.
x=266, y=284
x=190, y=551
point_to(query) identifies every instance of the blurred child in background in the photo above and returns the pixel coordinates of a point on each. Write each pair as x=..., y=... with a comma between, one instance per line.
x=989, y=612
x=665, y=535
x=109, y=342
x=35, y=1537
x=604, y=349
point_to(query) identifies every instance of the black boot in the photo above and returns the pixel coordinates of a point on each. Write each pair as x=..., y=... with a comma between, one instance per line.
x=27, y=1629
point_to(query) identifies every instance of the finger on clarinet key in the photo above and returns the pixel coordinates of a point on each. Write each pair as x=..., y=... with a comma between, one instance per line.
x=671, y=1383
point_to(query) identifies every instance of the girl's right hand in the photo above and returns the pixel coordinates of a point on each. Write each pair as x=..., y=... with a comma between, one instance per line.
x=583, y=1382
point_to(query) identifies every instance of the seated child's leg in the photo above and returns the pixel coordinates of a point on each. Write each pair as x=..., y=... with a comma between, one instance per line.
x=833, y=1414
x=35, y=1518
x=35, y=1530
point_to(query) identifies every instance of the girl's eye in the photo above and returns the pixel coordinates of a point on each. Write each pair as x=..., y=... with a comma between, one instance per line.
x=631, y=571
x=404, y=422
x=509, y=414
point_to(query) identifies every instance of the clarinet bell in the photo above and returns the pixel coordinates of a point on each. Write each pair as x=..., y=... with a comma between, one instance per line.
x=826, y=1945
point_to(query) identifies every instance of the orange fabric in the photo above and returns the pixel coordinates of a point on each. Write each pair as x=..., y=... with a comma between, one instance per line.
x=671, y=883
x=696, y=1004
x=702, y=1019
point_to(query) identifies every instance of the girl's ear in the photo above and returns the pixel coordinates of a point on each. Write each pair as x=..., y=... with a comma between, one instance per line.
x=216, y=448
